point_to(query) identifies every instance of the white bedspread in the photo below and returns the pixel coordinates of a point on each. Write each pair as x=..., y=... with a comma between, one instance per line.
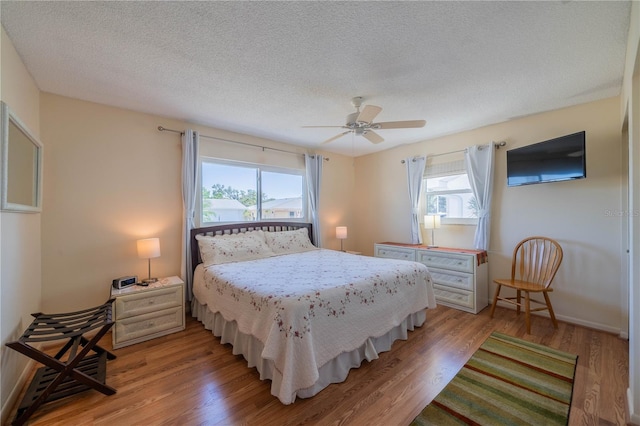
x=307, y=308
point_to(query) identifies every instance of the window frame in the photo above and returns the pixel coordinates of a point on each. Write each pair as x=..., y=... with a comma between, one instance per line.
x=259, y=169
x=467, y=221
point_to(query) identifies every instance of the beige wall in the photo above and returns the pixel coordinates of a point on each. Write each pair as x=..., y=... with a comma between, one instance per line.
x=20, y=275
x=111, y=178
x=588, y=285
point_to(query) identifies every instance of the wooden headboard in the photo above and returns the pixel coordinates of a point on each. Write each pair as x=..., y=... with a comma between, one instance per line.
x=236, y=228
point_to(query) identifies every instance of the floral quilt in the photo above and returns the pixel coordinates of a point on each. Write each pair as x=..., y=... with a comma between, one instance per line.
x=307, y=308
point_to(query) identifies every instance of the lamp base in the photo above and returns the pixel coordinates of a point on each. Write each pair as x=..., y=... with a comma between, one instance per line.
x=432, y=246
x=148, y=281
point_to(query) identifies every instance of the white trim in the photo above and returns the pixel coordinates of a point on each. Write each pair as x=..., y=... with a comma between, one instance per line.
x=12, y=399
x=466, y=221
x=572, y=320
x=633, y=417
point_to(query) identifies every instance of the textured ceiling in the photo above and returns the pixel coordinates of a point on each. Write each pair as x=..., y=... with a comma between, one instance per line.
x=268, y=68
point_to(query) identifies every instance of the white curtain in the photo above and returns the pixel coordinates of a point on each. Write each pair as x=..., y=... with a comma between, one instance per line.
x=313, y=165
x=190, y=144
x=478, y=161
x=415, y=175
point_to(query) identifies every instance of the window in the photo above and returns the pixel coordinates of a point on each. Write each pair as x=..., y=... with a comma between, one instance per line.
x=230, y=192
x=448, y=193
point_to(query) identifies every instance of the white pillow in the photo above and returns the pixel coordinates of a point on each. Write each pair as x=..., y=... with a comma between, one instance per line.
x=289, y=241
x=233, y=248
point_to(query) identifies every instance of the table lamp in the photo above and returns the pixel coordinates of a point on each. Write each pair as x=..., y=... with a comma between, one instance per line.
x=432, y=221
x=149, y=248
x=341, y=234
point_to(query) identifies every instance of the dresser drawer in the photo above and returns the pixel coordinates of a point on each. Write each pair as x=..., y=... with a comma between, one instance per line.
x=451, y=261
x=393, y=252
x=148, y=301
x=454, y=279
x=454, y=297
x=148, y=324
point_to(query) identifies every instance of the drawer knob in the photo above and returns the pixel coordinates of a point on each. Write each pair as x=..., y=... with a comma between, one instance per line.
x=151, y=323
x=151, y=302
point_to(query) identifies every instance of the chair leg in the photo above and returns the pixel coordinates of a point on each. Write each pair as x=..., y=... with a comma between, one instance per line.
x=519, y=303
x=527, y=311
x=551, y=314
x=495, y=301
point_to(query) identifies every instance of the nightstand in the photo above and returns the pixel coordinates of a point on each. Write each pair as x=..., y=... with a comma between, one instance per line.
x=145, y=312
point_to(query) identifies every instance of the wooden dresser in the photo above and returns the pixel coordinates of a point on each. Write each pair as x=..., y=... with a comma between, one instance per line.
x=460, y=276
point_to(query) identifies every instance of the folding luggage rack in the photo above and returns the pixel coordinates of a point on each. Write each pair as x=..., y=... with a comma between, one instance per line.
x=63, y=376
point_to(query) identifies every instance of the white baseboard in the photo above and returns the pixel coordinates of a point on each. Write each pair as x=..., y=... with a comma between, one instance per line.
x=633, y=417
x=589, y=324
x=577, y=321
x=12, y=400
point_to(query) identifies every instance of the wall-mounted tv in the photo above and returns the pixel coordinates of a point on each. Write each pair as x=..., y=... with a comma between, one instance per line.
x=554, y=160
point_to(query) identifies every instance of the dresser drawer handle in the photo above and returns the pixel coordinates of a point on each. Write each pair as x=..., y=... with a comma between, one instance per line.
x=151, y=324
x=151, y=302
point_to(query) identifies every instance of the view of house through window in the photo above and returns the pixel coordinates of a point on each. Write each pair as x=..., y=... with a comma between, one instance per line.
x=450, y=197
x=238, y=192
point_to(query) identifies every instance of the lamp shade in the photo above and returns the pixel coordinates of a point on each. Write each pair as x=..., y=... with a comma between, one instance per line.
x=149, y=248
x=432, y=221
x=341, y=232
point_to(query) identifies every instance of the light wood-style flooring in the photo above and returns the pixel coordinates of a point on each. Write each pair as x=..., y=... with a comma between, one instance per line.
x=189, y=378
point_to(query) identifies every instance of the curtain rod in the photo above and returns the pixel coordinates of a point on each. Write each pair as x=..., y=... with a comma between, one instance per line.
x=496, y=144
x=164, y=129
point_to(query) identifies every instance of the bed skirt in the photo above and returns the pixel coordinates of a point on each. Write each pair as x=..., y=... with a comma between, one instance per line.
x=334, y=371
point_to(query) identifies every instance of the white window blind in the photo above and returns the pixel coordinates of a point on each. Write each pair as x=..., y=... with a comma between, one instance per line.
x=448, y=168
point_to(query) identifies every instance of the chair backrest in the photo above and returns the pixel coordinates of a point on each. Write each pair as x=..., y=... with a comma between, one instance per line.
x=536, y=260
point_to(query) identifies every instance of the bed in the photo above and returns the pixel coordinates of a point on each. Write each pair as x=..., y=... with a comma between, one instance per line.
x=302, y=316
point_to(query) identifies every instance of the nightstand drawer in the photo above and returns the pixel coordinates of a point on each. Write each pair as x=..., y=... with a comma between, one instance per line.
x=451, y=261
x=459, y=280
x=454, y=297
x=148, y=301
x=392, y=252
x=148, y=324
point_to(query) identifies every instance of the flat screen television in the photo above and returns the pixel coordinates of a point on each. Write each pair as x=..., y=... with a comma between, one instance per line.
x=554, y=160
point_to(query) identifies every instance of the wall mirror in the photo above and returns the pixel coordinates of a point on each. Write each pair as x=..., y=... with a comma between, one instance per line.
x=21, y=163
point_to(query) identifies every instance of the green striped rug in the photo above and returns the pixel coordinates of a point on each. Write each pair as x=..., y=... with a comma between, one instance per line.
x=507, y=381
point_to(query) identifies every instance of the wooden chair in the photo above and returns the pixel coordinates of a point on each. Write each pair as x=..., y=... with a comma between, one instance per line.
x=534, y=264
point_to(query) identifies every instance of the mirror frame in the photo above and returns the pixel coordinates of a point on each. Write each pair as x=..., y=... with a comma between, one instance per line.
x=8, y=116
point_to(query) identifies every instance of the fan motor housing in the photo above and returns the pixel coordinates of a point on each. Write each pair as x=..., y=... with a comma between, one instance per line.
x=351, y=119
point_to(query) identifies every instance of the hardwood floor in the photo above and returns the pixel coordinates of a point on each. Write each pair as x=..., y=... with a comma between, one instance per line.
x=189, y=378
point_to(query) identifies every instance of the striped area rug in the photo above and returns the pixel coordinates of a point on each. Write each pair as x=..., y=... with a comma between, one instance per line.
x=507, y=381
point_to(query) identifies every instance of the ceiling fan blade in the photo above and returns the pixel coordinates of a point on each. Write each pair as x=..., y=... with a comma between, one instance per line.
x=372, y=136
x=400, y=124
x=336, y=137
x=318, y=127
x=368, y=113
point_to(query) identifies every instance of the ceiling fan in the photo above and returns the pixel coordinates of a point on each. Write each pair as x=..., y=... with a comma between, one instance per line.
x=361, y=123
